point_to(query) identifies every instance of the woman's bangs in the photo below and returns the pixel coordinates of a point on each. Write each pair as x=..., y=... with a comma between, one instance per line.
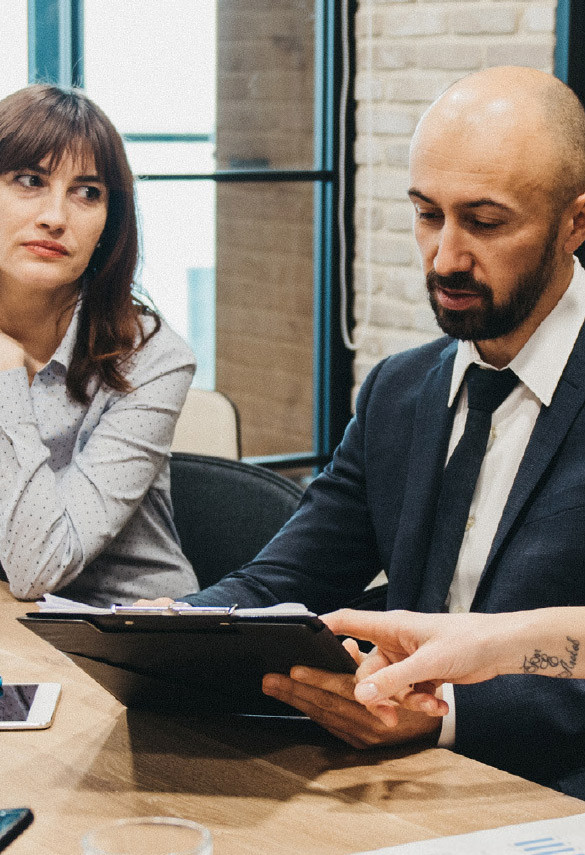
x=51, y=136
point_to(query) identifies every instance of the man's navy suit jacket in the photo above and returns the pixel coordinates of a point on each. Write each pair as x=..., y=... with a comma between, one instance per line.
x=372, y=509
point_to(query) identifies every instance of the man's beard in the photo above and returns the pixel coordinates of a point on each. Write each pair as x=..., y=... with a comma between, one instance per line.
x=489, y=321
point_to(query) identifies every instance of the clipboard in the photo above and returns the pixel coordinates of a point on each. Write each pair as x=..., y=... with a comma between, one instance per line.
x=200, y=661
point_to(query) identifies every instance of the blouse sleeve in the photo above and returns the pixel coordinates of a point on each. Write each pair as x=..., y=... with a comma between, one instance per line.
x=52, y=526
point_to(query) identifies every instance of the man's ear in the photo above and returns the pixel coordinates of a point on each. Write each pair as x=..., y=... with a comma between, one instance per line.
x=576, y=225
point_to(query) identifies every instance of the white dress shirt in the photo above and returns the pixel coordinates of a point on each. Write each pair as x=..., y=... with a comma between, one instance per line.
x=85, y=505
x=539, y=366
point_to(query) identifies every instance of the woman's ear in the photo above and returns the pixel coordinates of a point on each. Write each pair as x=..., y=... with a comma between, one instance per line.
x=576, y=225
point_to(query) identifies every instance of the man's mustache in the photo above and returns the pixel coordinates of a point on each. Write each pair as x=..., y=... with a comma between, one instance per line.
x=461, y=281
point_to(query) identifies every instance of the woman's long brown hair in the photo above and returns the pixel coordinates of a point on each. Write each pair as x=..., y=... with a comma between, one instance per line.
x=46, y=121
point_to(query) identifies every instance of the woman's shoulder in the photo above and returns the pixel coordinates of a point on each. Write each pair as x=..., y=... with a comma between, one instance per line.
x=164, y=350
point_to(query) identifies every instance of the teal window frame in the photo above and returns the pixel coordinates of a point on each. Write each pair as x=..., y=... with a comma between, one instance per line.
x=56, y=55
x=569, y=59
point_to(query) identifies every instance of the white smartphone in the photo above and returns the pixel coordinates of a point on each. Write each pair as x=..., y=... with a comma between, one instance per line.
x=28, y=706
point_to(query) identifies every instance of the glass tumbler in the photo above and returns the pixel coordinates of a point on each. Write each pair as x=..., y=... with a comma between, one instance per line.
x=150, y=835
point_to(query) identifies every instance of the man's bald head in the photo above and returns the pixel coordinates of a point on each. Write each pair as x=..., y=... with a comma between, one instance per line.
x=525, y=112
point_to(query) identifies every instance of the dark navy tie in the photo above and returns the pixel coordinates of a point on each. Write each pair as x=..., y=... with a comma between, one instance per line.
x=486, y=390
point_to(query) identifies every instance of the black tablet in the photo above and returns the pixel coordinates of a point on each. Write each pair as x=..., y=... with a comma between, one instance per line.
x=205, y=662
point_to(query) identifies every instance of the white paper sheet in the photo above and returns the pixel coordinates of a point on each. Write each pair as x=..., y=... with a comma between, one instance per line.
x=545, y=837
x=53, y=603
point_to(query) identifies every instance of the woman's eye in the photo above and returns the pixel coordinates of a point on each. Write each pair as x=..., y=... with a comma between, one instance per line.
x=28, y=179
x=89, y=192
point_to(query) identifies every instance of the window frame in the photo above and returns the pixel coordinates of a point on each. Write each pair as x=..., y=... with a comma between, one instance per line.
x=56, y=54
x=569, y=57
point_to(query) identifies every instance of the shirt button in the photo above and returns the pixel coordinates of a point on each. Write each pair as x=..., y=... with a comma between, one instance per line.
x=470, y=523
x=459, y=610
x=493, y=433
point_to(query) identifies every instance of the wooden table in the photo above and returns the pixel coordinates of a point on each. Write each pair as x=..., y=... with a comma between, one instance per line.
x=262, y=786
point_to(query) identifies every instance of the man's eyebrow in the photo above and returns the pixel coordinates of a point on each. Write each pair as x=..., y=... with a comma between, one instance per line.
x=416, y=194
x=484, y=203
x=476, y=203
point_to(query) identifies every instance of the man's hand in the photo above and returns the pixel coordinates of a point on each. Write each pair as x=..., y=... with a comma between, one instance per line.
x=328, y=699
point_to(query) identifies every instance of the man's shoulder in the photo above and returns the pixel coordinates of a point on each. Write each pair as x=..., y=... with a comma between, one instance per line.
x=413, y=365
x=398, y=380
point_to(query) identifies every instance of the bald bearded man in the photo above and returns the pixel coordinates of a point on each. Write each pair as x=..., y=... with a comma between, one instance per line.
x=497, y=182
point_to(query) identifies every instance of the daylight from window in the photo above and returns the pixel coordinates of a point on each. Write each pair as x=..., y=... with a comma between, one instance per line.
x=167, y=108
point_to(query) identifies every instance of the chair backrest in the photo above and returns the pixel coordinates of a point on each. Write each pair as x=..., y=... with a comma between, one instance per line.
x=208, y=424
x=226, y=511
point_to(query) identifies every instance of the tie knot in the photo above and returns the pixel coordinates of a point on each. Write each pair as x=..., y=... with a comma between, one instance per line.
x=487, y=389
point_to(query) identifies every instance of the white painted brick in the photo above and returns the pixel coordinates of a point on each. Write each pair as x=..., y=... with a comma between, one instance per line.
x=375, y=216
x=407, y=283
x=484, y=20
x=386, y=184
x=390, y=120
x=362, y=23
x=416, y=86
x=386, y=313
x=370, y=342
x=532, y=54
x=386, y=249
x=392, y=54
x=368, y=278
x=540, y=18
x=418, y=43
x=456, y=55
x=415, y=21
x=398, y=217
x=369, y=87
x=369, y=151
x=396, y=153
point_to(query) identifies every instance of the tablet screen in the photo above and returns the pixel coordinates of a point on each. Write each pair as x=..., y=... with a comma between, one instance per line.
x=16, y=701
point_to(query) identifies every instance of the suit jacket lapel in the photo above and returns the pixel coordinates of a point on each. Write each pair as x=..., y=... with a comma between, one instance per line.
x=430, y=439
x=549, y=432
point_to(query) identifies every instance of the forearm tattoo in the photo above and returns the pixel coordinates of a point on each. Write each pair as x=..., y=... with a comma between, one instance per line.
x=554, y=666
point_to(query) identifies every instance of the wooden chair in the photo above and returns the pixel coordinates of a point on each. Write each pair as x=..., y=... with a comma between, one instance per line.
x=209, y=424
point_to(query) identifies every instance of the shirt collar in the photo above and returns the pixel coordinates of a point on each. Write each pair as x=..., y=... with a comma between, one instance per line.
x=543, y=358
x=64, y=353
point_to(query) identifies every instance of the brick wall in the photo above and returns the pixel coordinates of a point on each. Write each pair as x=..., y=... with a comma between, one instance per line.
x=418, y=48
x=264, y=262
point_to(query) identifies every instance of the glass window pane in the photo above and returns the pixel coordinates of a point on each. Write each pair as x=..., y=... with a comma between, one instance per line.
x=230, y=266
x=171, y=158
x=265, y=83
x=265, y=312
x=178, y=270
x=151, y=66
x=243, y=69
x=13, y=47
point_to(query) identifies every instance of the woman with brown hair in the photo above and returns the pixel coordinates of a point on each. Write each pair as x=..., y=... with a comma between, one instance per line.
x=91, y=379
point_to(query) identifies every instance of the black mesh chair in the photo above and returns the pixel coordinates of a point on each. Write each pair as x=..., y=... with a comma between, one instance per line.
x=226, y=511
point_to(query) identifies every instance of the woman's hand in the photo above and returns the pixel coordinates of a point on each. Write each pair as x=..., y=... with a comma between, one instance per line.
x=12, y=353
x=417, y=652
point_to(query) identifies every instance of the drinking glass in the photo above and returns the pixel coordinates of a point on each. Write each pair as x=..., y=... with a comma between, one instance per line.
x=149, y=835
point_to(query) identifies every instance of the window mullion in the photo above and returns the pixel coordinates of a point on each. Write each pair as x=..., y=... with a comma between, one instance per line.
x=55, y=42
